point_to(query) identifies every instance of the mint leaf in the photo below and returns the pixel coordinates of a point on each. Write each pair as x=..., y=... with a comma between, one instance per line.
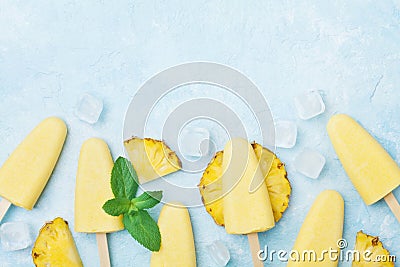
x=147, y=200
x=124, y=185
x=124, y=180
x=144, y=229
x=117, y=206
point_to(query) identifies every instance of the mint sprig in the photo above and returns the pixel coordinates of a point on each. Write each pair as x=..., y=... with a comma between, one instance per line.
x=136, y=219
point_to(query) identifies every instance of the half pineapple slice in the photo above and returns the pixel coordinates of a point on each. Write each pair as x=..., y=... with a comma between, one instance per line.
x=275, y=179
x=151, y=158
x=375, y=250
x=55, y=246
x=211, y=188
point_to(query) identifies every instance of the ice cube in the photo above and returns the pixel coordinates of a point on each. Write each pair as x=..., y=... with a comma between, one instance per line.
x=15, y=236
x=309, y=105
x=285, y=134
x=309, y=163
x=219, y=253
x=89, y=108
x=194, y=142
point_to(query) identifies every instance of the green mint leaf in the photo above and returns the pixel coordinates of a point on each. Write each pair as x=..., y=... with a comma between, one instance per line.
x=124, y=180
x=144, y=229
x=117, y=206
x=147, y=200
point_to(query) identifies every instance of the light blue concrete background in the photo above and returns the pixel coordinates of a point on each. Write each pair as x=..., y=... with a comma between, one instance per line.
x=53, y=51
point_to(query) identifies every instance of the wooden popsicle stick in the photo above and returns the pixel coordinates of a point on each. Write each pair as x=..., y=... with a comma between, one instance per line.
x=4, y=205
x=102, y=247
x=254, y=248
x=393, y=204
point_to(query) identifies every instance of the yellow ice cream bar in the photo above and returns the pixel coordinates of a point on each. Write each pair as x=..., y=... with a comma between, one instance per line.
x=93, y=189
x=177, y=243
x=320, y=232
x=25, y=173
x=371, y=169
x=245, y=210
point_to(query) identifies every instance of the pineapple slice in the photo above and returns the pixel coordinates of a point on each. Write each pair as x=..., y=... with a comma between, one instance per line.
x=275, y=179
x=55, y=246
x=151, y=158
x=366, y=242
x=211, y=188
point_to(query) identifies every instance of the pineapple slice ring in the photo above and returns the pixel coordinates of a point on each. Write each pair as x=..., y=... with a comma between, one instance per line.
x=55, y=246
x=275, y=179
x=366, y=242
x=152, y=158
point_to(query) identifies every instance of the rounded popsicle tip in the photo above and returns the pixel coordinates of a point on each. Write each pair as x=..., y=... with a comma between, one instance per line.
x=337, y=121
x=94, y=142
x=54, y=123
x=332, y=195
x=238, y=147
x=236, y=140
x=174, y=205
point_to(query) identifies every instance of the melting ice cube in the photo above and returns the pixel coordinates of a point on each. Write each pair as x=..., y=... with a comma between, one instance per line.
x=309, y=105
x=15, y=236
x=194, y=142
x=285, y=134
x=219, y=253
x=309, y=163
x=89, y=108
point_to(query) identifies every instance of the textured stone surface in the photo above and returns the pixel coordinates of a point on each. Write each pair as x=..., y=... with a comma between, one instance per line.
x=51, y=52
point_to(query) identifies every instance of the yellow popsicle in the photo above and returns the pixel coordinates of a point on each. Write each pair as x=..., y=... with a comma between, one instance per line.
x=320, y=232
x=245, y=210
x=25, y=173
x=371, y=169
x=93, y=189
x=177, y=243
